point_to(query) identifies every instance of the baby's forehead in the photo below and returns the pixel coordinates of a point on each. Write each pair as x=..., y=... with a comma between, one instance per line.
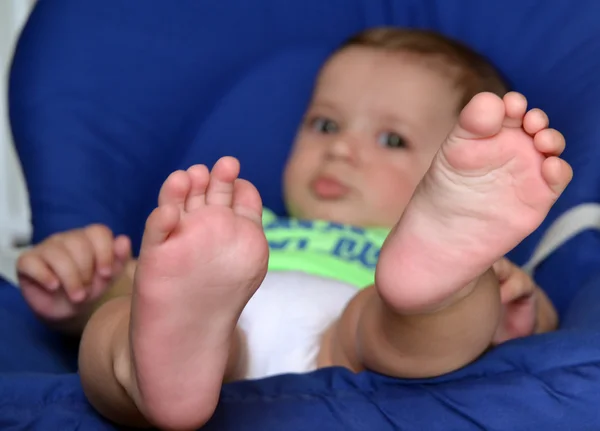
x=352, y=64
x=355, y=55
x=400, y=81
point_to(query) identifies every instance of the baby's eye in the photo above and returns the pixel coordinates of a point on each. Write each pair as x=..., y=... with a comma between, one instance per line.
x=324, y=125
x=392, y=140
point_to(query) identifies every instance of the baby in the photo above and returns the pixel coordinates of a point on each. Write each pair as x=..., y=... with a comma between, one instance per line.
x=412, y=174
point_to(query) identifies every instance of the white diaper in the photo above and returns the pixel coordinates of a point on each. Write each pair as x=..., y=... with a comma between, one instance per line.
x=284, y=321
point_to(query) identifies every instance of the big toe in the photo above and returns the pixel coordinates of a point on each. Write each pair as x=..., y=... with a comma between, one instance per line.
x=481, y=118
x=247, y=201
x=159, y=225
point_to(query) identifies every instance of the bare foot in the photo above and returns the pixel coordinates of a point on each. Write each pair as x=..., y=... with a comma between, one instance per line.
x=203, y=256
x=490, y=185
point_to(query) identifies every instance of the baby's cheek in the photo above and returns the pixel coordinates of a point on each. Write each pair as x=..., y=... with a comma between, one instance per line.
x=387, y=206
x=292, y=175
x=393, y=200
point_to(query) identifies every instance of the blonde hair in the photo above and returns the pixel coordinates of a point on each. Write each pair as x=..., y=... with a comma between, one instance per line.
x=471, y=71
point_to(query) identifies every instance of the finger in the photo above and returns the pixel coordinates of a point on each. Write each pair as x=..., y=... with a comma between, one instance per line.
x=122, y=253
x=101, y=238
x=122, y=248
x=516, y=288
x=65, y=268
x=518, y=320
x=31, y=266
x=81, y=251
x=503, y=269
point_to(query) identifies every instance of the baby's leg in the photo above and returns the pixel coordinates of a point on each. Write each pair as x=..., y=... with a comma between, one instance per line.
x=162, y=355
x=436, y=304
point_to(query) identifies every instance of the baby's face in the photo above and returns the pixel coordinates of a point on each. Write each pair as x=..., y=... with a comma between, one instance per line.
x=369, y=135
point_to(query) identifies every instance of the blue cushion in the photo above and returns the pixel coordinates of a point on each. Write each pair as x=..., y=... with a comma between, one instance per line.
x=27, y=345
x=107, y=97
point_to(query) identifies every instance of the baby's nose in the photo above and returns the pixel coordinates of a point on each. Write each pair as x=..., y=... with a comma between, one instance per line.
x=344, y=147
x=341, y=147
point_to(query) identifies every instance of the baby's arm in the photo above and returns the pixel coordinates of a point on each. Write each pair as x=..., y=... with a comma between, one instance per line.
x=70, y=274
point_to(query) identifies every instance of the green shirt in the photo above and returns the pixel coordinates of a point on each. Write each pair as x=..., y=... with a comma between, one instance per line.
x=328, y=249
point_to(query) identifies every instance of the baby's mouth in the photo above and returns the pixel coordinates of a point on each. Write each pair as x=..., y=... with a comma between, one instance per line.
x=328, y=188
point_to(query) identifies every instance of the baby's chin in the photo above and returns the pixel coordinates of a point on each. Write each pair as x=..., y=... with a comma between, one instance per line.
x=334, y=213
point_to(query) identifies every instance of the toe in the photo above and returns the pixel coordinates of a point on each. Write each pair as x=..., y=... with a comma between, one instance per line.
x=222, y=177
x=481, y=118
x=557, y=173
x=247, y=201
x=549, y=142
x=175, y=189
x=515, y=107
x=161, y=222
x=535, y=121
x=199, y=177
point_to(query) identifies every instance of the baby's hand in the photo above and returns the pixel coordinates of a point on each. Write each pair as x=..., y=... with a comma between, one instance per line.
x=62, y=277
x=519, y=296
